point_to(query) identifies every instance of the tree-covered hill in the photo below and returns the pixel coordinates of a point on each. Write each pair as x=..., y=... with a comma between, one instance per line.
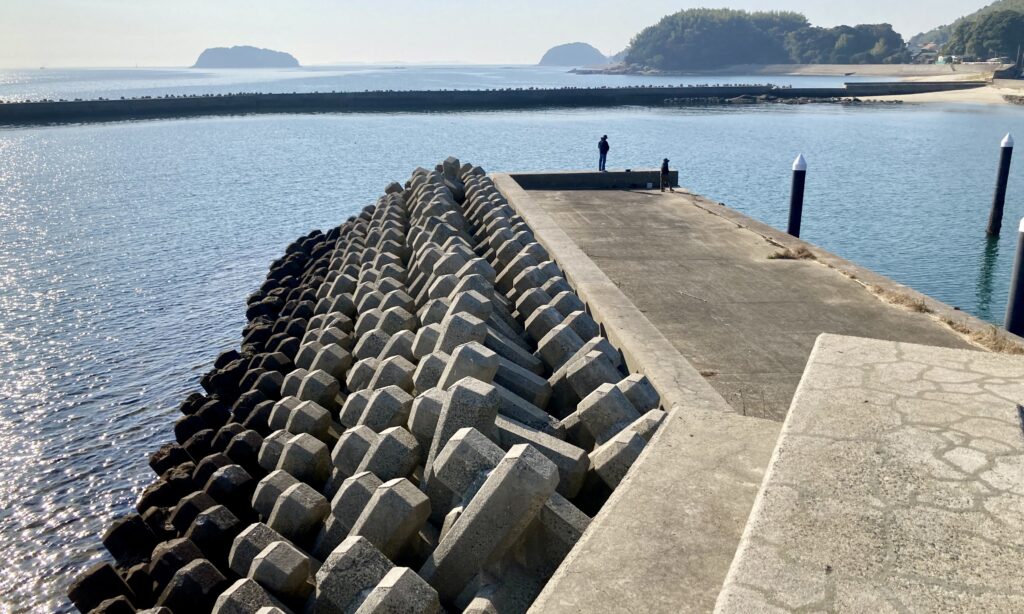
x=699, y=39
x=942, y=34
x=998, y=34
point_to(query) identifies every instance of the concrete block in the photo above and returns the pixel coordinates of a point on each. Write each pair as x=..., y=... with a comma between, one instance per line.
x=394, y=371
x=469, y=404
x=400, y=344
x=282, y=569
x=249, y=543
x=553, y=534
x=396, y=320
x=514, y=407
x=388, y=407
x=194, y=588
x=442, y=286
x=602, y=415
x=292, y=383
x=470, y=360
x=269, y=489
x=213, y=531
x=298, y=513
x=648, y=424
x=245, y=596
x=398, y=298
x=528, y=385
x=556, y=285
x=473, y=303
x=507, y=502
x=307, y=352
x=433, y=311
x=370, y=344
x=583, y=324
x=369, y=315
x=401, y=591
x=429, y=370
x=449, y=520
x=612, y=460
x=558, y=346
x=426, y=409
x=566, y=303
x=351, y=448
x=513, y=351
x=309, y=417
x=586, y=374
x=99, y=583
x=460, y=469
x=355, y=405
x=333, y=360
x=166, y=559
x=393, y=517
x=320, y=388
x=530, y=301
x=360, y=374
x=346, y=507
x=542, y=321
x=186, y=511
x=426, y=340
x=395, y=454
x=282, y=410
x=640, y=392
x=353, y=568
x=233, y=487
x=457, y=329
x=307, y=459
x=572, y=462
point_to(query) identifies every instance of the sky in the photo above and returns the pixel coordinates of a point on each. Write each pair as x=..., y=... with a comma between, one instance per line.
x=102, y=33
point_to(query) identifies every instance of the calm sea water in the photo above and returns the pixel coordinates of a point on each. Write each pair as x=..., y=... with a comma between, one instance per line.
x=127, y=251
x=19, y=85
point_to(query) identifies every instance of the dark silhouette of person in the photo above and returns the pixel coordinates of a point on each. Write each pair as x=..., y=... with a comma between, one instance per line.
x=665, y=181
x=603, y=147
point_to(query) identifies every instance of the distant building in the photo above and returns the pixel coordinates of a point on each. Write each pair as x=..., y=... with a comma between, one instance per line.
x=926, y=57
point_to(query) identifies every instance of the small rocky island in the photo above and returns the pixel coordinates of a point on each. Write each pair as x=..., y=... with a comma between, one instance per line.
x=245, y=57
x=574, y=54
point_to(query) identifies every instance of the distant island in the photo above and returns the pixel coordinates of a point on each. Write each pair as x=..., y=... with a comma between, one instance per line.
x=574, y=54
x=702, y=39
x=245, y=57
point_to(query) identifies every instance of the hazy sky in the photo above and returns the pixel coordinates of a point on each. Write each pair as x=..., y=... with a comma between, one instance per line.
x=173, y=32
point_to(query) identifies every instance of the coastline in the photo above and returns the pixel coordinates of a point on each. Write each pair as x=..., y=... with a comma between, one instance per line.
x=993, y=94
x=903, y=71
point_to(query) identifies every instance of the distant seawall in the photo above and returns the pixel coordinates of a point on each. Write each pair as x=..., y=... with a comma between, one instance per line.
x=80, y=111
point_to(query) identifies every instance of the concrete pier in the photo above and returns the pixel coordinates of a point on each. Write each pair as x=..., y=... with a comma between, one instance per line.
x=706, y=278
x=475, y=396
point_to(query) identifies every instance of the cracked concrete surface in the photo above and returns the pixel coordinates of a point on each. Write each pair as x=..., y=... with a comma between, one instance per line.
x=897, y=486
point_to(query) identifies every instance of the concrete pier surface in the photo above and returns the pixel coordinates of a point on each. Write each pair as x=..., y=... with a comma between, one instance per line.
x=706, y=278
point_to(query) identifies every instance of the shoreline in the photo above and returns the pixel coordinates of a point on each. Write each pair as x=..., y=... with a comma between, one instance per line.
x=904, y=71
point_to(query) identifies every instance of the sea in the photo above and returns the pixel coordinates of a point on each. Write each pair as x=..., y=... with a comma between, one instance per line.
x=127, y=249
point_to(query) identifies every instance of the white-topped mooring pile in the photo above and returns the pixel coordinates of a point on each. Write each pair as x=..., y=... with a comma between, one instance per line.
x=422, y=415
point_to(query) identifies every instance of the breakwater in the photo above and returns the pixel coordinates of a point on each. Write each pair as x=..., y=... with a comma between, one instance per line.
x=79, y=111
x=421, y=413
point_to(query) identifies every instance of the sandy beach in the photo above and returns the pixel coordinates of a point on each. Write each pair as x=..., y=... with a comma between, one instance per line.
x=994, y=93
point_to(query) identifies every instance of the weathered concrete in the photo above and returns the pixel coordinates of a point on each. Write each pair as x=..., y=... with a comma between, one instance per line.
x=897, y=485
x=664, y=541
x=706, y=283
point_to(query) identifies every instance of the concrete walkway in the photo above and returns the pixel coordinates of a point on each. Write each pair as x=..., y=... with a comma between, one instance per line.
x=746, y=322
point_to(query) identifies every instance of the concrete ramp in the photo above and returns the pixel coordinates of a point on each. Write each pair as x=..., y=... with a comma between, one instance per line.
x=897, y=485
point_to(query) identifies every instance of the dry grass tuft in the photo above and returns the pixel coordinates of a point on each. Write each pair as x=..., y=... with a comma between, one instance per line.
x=991, y=338
x=901, y=299
x=801, y=253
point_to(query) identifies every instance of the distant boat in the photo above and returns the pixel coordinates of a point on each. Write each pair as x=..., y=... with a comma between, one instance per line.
x=849, y=74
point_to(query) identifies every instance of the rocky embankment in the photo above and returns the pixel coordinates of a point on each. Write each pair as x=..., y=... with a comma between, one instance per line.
x=421, y=415
x=747, y=99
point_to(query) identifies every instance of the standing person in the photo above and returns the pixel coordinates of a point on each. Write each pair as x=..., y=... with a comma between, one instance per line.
x=665, y=181
x=603, y=147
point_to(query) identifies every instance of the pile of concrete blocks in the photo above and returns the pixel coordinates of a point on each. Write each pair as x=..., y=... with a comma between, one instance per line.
x=422, y=416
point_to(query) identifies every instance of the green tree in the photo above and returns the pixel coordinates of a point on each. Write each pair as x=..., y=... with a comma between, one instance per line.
x=991, y=35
